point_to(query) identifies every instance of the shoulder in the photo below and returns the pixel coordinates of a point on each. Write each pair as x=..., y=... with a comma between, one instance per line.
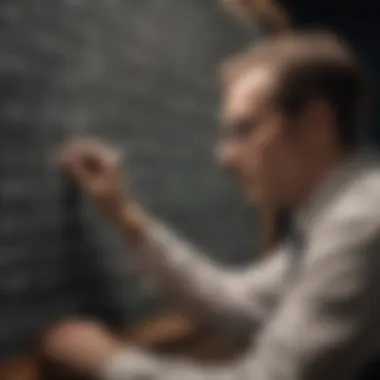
x=354, y=213
x=344, y=244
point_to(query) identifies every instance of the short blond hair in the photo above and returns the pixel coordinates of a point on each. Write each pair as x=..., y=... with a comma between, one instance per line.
x=309, y=64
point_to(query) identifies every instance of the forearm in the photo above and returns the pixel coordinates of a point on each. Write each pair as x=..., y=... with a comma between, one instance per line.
x=134, y=223
x=183, y=274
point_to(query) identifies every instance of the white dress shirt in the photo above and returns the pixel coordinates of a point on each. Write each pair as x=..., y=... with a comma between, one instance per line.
x=315, y=314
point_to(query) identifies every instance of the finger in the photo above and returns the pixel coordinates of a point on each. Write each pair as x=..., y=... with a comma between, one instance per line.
x=102, y=157
x=85, y=158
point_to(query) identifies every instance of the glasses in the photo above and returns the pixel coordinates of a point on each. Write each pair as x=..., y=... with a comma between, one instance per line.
x=240, y=129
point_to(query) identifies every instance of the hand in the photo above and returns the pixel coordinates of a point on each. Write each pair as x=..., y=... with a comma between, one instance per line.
x=95, y=167
x=82, y=346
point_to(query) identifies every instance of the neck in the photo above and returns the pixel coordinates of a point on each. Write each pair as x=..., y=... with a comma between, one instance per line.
x=318, y=172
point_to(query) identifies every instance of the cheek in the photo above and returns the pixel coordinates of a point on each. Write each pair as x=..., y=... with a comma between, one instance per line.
x=256, y=157
x=250, y=158
x=275, y=163
x=267, y=155
x=267, y=148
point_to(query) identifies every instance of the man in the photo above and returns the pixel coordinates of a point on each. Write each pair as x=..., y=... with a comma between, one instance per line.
x=292, y=121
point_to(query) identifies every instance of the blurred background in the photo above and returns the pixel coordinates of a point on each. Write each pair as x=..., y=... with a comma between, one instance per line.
x=142, y=75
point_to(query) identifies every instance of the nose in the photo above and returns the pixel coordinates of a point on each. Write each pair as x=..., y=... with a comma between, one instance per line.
x=227, y=155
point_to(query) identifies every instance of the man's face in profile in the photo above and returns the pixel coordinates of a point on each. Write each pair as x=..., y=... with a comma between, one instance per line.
x=257, y=144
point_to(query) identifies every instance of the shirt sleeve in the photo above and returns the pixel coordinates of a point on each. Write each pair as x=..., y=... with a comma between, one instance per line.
x=233, y=300
x=326, y=326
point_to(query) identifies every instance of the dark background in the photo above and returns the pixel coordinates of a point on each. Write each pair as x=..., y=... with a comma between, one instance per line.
x=141, y=74
x=356, y=21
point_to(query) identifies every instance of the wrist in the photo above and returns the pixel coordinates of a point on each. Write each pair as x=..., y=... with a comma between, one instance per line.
x=110, y=205
x=133, y=222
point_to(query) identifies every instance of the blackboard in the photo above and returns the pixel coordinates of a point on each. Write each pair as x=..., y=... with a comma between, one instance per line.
x=140, y=74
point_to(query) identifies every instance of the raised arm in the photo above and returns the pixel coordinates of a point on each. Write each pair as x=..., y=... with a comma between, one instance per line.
x=237, y=300
x=234, y=301
x=326, y=326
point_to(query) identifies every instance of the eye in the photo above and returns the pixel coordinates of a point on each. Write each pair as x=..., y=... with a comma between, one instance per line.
x=241, y=128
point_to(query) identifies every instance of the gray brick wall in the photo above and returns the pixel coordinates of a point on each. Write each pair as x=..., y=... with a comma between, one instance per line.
x=141, y=74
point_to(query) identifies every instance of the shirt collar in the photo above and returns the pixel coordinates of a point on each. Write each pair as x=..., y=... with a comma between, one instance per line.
x=325, y=193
